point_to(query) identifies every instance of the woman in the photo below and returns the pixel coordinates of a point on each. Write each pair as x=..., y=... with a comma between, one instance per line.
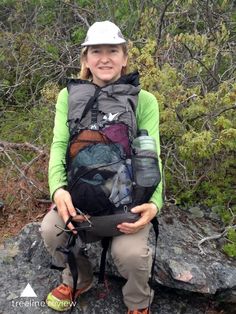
x=104, y=60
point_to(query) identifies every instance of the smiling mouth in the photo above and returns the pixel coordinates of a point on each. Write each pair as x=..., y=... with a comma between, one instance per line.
x=105, y=68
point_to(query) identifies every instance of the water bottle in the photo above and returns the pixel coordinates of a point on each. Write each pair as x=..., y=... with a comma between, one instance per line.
x=145, y=164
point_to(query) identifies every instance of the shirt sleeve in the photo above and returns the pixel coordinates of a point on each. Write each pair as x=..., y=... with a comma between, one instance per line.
x=56, y=171
x=147, y=116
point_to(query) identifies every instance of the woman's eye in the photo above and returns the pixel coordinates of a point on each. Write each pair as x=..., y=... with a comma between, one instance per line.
x=95, y=51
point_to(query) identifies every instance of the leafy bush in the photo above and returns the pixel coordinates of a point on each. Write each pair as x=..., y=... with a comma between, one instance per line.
x=33, y=126
x=230, y=248
x=197, y=133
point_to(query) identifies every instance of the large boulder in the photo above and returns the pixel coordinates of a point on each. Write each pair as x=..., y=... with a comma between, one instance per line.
x=186, y=280
x=182, y=264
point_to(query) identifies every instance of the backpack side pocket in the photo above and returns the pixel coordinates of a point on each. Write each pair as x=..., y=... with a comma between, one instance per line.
x=146, y=175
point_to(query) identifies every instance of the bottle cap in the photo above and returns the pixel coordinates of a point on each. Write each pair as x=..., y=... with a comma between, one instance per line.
x=142, y=132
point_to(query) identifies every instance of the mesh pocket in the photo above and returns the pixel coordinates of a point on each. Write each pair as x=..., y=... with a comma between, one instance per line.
x=92, y=175
x=146, y=175
x=85, y=138
x=118, y=133
x=90, y=194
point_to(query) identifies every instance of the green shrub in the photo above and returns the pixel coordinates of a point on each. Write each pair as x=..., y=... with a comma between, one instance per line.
x=230, y=248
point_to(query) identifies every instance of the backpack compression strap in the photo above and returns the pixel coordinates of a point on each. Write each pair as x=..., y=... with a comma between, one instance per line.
x=155, y=225
x=93, y=106
x=68, y=250
x=105, y=245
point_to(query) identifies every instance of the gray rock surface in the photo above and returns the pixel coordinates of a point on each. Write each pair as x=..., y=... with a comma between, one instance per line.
x=186, y=281
x=180, y=263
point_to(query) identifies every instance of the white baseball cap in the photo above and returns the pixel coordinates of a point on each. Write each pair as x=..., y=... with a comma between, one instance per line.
x=101, y=33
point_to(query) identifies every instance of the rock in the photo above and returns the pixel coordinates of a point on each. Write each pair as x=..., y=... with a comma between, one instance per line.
x=189, y=270
x=196, y=212
x=185, y=281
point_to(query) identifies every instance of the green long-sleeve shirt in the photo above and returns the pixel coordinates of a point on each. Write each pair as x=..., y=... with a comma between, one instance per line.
x=147, y=115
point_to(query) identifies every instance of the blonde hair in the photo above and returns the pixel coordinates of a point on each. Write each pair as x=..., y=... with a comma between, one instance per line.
x=85, y=73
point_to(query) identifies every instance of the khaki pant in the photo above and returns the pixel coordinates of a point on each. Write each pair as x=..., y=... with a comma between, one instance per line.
x=130, y=253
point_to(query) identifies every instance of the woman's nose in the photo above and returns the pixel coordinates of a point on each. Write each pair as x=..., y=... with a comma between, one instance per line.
x=104, y=58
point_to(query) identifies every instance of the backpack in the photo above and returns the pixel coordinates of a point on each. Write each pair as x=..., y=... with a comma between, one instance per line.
x=99, y=160
x=99, y=155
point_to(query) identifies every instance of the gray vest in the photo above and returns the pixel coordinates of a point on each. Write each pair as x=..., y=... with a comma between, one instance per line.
x=90, y=106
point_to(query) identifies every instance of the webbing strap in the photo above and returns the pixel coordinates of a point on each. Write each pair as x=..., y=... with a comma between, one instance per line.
x=105, y=245
x=74, y=272
x=68, y=250
x=60, y=268
x=155, y=225
x=93, y=106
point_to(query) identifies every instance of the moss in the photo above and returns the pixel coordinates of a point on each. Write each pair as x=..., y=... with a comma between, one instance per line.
x=230, y=249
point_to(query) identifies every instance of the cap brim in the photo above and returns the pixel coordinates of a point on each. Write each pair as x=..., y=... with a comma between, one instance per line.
x=104, y=42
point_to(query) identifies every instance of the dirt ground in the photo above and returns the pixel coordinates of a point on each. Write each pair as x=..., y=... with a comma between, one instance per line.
x=24, y=195
x=12, y=222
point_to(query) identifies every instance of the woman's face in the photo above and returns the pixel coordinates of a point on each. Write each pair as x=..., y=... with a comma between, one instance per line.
x=105, y=63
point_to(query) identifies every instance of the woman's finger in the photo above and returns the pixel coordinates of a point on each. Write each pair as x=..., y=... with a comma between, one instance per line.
x=79, y=218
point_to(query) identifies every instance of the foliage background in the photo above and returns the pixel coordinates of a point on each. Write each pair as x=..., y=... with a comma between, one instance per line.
x=185, y=53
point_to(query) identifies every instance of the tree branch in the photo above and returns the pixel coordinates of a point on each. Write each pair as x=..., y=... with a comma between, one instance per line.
x=223, y=110
x=75, y=8
x=182, y=105
x=26, y=146
x=214, y=237
x=22, y=172
x=4, y=146
x=167, y=4
x=213, y=115
x=202, y=64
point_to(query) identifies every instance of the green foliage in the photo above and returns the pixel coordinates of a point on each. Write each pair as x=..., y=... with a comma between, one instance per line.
x=196, y=145
x=78, y=35
x=227, y=216
x=34, y=125
x=197, y=130
x=230, y=248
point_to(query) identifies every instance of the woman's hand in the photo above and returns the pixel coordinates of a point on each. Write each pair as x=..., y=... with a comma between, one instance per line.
x=147, y=211
x=65, y=208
